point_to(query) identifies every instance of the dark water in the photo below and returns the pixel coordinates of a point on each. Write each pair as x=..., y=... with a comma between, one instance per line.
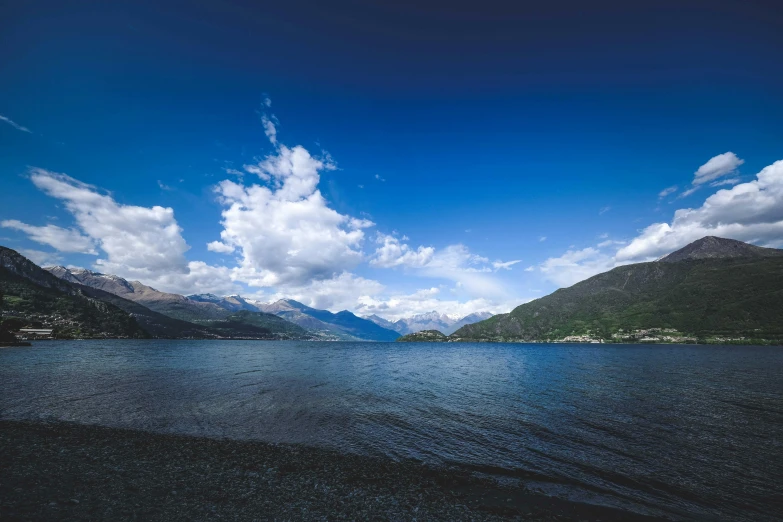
x=692, y=432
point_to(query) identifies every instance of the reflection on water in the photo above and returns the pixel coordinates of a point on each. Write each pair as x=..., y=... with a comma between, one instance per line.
x=684, y=430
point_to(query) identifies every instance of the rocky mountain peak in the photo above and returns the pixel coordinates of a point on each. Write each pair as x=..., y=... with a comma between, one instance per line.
x=711, y=247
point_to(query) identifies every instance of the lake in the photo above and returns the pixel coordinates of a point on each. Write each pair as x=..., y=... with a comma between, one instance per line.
x=685, y=431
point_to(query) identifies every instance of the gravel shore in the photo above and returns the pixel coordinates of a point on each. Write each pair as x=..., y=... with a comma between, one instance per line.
x=67, y=471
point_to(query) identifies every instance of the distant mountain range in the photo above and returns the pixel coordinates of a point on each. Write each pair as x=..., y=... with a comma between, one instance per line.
x=217, y=315
x=168, y=315
x=429, y=321
x=713, y=290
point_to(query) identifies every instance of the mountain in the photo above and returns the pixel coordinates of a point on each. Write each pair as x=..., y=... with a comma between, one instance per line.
x=398, y=326
x=232, y=303
x=171, y=305
x=711, y=247
x=711, y=290
x=428, y=321
x=36, y=297
x=468, y=319
x=259, y=325
x=340, y=326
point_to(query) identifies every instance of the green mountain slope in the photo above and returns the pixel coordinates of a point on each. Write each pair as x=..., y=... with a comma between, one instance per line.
x=158, y=325
x=172, y=305
x=260, y=325
x=36, y=297
x=700, y=297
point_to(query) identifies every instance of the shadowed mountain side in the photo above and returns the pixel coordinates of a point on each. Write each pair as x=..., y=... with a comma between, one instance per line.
x=35, y=296
x=264, y=325
x=172, y=305
x=157, y=324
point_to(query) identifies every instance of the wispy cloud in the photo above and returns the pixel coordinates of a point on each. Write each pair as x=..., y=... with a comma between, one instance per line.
x=604, y=210
x=730, y=181
x=63, y=239
x=15, y=125
x=717, y=167
x=667, y=191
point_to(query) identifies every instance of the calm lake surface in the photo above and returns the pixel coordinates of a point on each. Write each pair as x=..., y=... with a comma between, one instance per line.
x=693, y=432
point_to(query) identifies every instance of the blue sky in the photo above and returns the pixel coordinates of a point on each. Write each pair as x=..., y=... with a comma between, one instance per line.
x=418, y=150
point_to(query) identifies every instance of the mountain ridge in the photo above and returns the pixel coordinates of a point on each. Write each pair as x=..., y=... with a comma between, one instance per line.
x=33, y=295
x=703, y=291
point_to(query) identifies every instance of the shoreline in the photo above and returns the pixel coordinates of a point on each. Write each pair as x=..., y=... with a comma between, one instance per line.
x=64, y=470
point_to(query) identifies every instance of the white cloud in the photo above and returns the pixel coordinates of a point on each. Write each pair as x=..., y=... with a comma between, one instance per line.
x=62, y=239
x=576, y=265
x=163, y=186
x=286, y=233
x=454, y=262
x=505, y=265
x=717, y=167
x=269, y=129
x=139, y=242
x=604, y=210
x=379, y=178
x=688, y=192
x=751, y=212
x=217, y=246
x=729, y=181
x=15, y=125
x=667, y=191
x=40, y=258
x=425, y=300
x=342, y=292
x=393, y=253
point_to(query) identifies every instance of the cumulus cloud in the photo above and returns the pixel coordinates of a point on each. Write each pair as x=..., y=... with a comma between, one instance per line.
x=750, y=212
x=284, y=232
x=62, y=239
x=341, y=292
x=393, y=253
x=139, y=242
x=15, y=125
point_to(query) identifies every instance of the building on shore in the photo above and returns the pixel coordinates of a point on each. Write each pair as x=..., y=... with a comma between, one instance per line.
x=34, y=333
